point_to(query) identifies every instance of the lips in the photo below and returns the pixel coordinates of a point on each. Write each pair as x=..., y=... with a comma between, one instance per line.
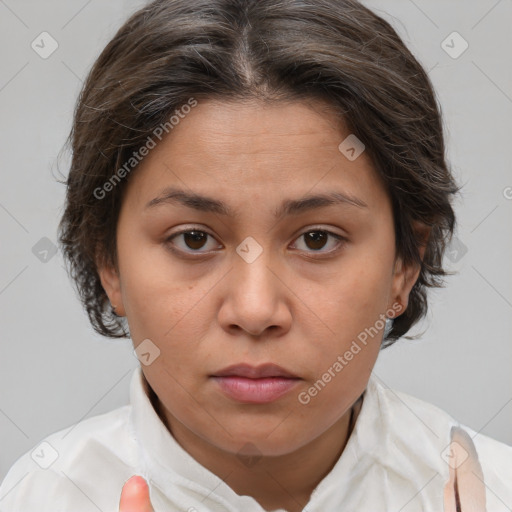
x=255, y=372
x=255, y=384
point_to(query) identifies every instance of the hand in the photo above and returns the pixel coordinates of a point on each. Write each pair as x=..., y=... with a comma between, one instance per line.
x=135, y=496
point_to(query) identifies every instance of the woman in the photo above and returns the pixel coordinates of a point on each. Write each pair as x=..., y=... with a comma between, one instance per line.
x=259, y=199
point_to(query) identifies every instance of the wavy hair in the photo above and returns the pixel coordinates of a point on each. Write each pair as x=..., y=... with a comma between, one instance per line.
x=272, y=50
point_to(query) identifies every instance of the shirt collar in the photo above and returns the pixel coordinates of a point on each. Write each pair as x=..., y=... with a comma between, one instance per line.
x=165, y=463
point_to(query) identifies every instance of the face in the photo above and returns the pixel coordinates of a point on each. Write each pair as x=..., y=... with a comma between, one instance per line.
x=257, y=275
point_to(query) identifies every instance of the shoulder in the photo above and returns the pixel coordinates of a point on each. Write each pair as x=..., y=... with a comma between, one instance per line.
x=67, y=468
x=495, y=459
x=428, y=433
x=433, y=417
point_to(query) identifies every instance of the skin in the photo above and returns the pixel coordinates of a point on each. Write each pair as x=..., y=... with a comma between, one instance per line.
x=135, y=496
x=300, y=304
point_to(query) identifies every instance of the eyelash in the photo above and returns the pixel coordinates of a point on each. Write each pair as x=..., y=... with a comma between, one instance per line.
x=168, y=241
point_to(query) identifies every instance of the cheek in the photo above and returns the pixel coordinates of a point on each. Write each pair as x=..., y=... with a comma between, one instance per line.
x=359, y=291
x=351, y=306
x=371, y=272
x=155, y=295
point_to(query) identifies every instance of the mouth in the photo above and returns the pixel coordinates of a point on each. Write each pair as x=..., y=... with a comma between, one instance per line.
x=255, y=372
x=255, y=384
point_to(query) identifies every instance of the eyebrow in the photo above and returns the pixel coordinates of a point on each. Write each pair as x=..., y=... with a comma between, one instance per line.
x=207, y=204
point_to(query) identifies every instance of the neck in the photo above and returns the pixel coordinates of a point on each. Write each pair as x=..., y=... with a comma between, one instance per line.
x=285, y=481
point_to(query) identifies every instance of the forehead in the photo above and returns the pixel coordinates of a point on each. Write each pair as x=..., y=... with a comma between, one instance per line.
x=258, y=127
x=246, y=150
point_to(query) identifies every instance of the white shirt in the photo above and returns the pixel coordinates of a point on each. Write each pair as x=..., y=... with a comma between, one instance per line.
x=395, y=460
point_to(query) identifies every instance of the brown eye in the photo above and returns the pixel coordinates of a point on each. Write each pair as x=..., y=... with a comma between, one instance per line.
x=195, y=239
x=316, y=240
x=190, y=241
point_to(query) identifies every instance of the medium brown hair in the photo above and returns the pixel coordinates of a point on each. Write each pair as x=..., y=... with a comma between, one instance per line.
x=336, y=50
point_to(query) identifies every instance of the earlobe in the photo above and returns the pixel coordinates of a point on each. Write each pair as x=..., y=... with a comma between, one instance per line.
x=405, y=276
x=399, y=294
x=111, y=283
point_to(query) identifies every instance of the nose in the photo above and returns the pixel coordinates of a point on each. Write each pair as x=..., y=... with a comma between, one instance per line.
x=256, y=298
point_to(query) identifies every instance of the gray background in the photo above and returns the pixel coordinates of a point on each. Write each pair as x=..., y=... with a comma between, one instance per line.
x=54, y=371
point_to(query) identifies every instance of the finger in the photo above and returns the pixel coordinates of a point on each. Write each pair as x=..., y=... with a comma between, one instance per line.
x=451, y=495
x=135, y=496
x=470, y=478
x=465, y=489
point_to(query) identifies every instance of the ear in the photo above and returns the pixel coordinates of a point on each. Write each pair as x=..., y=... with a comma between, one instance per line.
x=404, y=277
x=109, y=277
